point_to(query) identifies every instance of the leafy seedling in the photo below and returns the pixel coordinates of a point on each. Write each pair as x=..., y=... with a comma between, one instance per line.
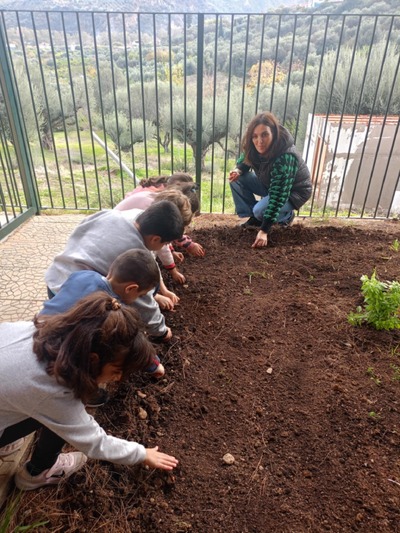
x=381, y=304
x=373, y=376
x=395, y=246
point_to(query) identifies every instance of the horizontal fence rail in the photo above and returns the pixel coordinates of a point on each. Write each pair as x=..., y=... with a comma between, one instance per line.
x=110, y=98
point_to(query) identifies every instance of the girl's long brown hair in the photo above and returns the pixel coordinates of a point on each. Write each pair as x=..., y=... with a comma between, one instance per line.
x=96, y=324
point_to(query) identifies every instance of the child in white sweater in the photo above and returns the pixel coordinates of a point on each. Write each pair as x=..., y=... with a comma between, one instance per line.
x=60, y=360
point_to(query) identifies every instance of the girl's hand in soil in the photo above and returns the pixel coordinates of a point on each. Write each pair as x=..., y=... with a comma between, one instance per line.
x=156, y=459
x=261, y=240
x=196, y=250
x=177, y=276
x=178, y=257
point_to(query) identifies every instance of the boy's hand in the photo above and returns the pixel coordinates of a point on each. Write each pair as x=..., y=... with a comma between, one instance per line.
x=172, y=296
x=177, y=276
x=156, y=459
x=178, y=257
x=196, y=250
x=168, y=336
x=165, y=303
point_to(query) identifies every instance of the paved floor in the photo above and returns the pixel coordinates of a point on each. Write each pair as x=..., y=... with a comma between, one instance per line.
x=24, y=258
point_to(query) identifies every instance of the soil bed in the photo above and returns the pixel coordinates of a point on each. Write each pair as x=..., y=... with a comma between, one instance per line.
x=264, y=366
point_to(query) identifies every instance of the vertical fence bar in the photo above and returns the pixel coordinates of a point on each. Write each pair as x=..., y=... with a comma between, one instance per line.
x=214, y=108
x=386, y=171
x=355, y=122
x=379, y=144
x=46, y=111
x=35, y=111
x=143, y=97
x=89, y=113
x=18, y=95
x=171, y=96
x=228, y=102
x=128, y=89
x=96, y=55
x=156, y=92
x=185, y=88
x=110, y=48
x=367, y=131
x=290, y=70
x=260, y=63
x=343, y=112
x=14, y=114
x=199, y=97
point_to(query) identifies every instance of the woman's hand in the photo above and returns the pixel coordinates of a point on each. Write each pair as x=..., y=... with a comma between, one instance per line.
x=156, y=459
x=196, y=250
x=234, y=175
x=261, y=240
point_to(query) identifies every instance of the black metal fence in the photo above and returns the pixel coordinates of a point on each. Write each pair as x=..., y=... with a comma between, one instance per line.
x=106, y=99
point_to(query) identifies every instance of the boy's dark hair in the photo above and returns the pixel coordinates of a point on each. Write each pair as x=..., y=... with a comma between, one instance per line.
x=162, y=219
x=96, y=324
x=137, y=266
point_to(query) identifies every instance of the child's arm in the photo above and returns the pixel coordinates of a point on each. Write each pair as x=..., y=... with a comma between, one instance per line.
x=196, y=250
x=167, y=260
x=193, y=248
x=156, y=459
x=165, y=292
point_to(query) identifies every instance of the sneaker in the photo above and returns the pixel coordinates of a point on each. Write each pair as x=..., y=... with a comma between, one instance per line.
x=289, y=221
x=99, y=398
x=253, y=222
x=11, y=448
x=66, y=465
x=156, y=369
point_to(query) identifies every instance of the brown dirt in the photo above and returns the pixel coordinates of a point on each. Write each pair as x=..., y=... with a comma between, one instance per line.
x=316, y=441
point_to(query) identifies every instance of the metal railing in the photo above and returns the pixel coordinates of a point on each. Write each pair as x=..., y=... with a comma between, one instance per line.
x=106, y=99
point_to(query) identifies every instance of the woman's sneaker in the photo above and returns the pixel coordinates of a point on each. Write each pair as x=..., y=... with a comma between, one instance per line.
x=253, y=222
x=11, y=448
x=66, y=465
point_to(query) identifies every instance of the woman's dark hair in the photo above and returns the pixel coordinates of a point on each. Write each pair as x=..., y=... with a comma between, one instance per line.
x=249, y=150
x=96, y=324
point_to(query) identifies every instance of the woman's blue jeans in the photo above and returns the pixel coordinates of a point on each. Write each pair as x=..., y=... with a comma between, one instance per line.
x=244, y=191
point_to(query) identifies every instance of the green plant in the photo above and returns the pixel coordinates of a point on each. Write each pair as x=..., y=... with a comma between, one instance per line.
x=258, y=274
x=396, y=371
x=395, y=246
x=373, y=376
x=373, y=415
x=9, y=512
x=382, y=304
